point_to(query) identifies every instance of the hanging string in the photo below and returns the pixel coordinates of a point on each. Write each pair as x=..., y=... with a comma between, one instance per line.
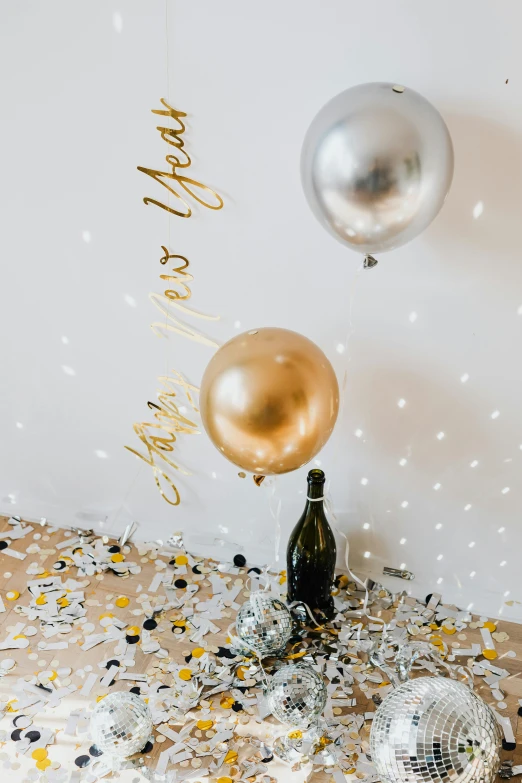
x=167, y=61
x=349, y=334
x=274, y=504
x=333, y=521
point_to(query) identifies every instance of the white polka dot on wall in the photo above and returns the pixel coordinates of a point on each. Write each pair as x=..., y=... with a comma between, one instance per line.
x=117, y=21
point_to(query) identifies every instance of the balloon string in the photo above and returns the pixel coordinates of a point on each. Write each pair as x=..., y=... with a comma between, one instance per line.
x=274, y=504
x=350, y=332
x=335, y=525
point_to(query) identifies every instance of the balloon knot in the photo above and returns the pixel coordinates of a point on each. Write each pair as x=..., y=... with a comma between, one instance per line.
x=370, y=262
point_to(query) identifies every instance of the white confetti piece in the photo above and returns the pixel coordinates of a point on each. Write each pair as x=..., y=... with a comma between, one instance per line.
x=88, y=684
x=109, y=677
x=13, y=553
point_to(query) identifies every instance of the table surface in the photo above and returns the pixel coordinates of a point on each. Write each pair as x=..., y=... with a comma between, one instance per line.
x=101, y=593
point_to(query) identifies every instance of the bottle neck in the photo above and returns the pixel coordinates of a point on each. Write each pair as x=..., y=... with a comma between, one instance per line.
x=316, y=492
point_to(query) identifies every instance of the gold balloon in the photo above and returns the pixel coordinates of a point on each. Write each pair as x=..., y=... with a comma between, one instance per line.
x=269, y=400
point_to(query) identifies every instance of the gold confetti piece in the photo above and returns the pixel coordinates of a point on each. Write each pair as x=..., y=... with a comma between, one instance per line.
x=224, y=780
x=240, y=672
x=122, y=601
x=227, y=702
x=297, y=655
x=231, y=757
x=490, y=654
x=181, y=560
x=41, y=600
x=197, y=652
x=295, y=734
x=12, y=595
x=185, y=674
x=203, y=725
x=490, y=626
x=132, y=630
x=42, y=765
x=117, y=557
x=180, y=623
x=449, y=629
x=39, y=754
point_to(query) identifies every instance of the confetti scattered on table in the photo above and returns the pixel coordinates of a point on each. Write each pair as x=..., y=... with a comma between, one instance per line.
x=84, y=617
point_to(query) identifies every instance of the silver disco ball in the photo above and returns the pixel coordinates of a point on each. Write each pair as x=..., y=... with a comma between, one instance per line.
x=435, y=729
x=296, y=694
x=265, y=624
x=121, y=724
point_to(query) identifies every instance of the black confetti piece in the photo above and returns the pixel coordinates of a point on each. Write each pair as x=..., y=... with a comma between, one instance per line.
x=132, y=639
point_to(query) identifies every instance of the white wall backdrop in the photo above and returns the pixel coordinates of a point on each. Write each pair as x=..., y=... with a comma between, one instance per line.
x=437, y=324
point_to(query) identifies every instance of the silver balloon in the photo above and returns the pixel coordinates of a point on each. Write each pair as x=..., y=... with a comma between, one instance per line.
x=296, y=694
x=435, y=730
x=376, y=166
x=265, y=624
x=121, y=724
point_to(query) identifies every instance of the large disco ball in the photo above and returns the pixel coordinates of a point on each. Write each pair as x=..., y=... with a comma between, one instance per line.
x=265, y=624
x=121, y=724
x=296, y=694
x=435, y=729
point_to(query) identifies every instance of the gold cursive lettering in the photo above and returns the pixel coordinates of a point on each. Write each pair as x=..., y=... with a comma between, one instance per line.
x=159, y=436
x=172, y=297
x=171, y=179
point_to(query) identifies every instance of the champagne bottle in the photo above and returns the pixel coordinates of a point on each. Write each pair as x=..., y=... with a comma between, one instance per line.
x=311, y=553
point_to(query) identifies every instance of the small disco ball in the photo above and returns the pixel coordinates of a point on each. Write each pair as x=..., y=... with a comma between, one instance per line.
x=265, y=624
x=121, y=724
x=435, y=729
x=296, y=694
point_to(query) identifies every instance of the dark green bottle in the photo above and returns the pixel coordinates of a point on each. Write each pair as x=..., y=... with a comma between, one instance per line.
x=311, y=553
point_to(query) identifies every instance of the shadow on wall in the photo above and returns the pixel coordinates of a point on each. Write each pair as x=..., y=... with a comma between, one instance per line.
x=486, y=192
